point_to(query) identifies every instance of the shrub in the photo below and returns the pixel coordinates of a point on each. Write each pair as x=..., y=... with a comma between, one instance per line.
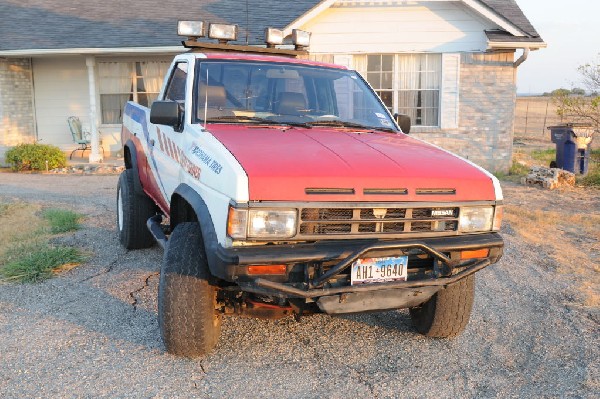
x=34, y=157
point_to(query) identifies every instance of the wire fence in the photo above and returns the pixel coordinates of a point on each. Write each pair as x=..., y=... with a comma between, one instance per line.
x=533, y=115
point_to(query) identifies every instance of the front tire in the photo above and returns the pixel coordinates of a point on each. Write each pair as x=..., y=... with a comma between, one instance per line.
x=188, y=318
x=133, y=210
x=446, y=314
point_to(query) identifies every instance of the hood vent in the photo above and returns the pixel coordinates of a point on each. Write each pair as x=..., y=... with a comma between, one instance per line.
x=436, y=191
x=329, y=191
x=385, y=191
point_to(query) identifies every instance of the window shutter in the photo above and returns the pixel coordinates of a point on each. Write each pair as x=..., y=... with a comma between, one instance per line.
x=450, y=91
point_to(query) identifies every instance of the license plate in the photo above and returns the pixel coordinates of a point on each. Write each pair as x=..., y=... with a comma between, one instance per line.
x=379, y=270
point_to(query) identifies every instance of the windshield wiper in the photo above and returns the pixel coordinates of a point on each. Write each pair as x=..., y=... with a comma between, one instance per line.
x=242, y=118
x=351, y=124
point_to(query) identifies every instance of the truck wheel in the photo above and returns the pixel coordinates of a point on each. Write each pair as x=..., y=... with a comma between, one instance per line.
x=187, y=303
x=133, y=210
x=447, y=313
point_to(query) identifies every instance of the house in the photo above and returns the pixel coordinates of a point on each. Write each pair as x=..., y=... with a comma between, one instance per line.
x=450, y=64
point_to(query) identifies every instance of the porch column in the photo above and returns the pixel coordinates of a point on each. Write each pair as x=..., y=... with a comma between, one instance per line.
x=95, y=154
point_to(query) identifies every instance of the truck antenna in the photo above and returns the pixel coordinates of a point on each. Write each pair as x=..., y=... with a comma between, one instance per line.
x=247, y=24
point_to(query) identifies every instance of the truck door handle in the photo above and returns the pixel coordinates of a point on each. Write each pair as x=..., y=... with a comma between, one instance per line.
x=152, y=142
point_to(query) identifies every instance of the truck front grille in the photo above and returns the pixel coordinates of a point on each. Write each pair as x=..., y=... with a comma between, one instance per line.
x=385, y=222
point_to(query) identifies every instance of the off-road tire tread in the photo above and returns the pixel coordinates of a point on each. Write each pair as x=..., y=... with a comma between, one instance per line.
x=447, y=313
x=189, y=324
x=137, y=209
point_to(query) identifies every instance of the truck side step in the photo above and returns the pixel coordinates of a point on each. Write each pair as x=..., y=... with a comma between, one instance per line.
x=154, y=225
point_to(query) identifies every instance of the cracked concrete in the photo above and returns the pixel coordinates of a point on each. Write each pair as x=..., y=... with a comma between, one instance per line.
x=133, y=294
x=80, y=335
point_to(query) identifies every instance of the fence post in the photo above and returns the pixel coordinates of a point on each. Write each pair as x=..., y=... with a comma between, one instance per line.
x=526, y=117
x=545, y=118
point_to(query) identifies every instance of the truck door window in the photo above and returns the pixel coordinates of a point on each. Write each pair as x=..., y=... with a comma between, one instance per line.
x=176, y=86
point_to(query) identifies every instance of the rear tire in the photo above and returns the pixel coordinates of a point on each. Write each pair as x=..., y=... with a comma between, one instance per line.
x=189, y=321
x=133, y=211
x=446, y=314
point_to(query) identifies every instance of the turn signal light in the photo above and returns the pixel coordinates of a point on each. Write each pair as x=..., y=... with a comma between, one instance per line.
x=267, y=269
x=476, y=254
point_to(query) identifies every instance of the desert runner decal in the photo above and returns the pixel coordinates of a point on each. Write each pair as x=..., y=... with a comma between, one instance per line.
x=174, y=152
x=206, y=159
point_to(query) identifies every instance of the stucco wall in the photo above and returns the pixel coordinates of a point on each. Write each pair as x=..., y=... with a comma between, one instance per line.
x=487, y=97
x=16, y=104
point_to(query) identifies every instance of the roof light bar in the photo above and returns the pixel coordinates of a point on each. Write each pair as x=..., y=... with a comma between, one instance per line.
x=273, y=37
x=300, y=38
x=223, y=32
x=191, y=29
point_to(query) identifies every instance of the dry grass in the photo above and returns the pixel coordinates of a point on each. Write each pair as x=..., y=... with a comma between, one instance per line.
x=21, y=215
x=561, y=234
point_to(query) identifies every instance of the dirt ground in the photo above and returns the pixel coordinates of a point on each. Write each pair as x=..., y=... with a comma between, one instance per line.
x=92, y=331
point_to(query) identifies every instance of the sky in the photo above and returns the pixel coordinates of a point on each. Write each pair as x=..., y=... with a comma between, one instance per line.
x=571, y=28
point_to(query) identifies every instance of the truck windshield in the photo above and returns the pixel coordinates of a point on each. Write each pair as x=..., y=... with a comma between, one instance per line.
x=258, y=92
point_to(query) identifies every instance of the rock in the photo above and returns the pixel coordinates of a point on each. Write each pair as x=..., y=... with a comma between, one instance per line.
x=549, y=178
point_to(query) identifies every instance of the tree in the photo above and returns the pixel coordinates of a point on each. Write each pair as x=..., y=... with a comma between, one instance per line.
x=578, y=91
x=580, y=108
x=560, y=92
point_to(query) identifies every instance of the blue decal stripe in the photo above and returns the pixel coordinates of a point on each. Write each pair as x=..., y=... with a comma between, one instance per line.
x=139, y=116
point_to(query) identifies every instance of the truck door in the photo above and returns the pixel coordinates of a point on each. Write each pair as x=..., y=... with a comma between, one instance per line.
x=166, y=149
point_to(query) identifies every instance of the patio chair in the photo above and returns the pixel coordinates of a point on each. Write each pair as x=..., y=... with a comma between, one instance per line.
x=79, y=136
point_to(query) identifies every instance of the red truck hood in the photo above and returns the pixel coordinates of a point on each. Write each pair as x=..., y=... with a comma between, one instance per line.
x=324, y=164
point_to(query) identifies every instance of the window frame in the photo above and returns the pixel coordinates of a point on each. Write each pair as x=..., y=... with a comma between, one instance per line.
x=133, y=77
x=397, y=72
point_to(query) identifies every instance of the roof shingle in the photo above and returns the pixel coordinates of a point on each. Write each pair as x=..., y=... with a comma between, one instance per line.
x=47, y=24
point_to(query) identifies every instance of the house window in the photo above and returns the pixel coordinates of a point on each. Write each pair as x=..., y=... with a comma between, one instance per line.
x=120, y=82
x=406, y=83
x=418, y=80
x=380, y=73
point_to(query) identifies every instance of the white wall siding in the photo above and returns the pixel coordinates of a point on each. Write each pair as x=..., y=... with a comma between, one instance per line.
x=61, y=90
x=412, y=27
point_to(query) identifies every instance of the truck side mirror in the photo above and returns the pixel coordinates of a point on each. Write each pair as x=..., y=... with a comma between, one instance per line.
x=403, y=121
x=166, y=113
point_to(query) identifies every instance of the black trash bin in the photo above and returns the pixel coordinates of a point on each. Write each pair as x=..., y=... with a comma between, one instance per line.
x=573, y=148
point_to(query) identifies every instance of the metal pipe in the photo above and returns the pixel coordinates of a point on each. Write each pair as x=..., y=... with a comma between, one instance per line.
x=153, y=225
x=317, y=282
x=522, y=58
x=370, y=287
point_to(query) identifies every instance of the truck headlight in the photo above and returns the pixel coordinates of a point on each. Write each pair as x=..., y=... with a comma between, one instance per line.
x=261, y=223
x=473, y=219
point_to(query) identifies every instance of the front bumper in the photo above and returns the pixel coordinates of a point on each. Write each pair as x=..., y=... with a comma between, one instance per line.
x=230, y=264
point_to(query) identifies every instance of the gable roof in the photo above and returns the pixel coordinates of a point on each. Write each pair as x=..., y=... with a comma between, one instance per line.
x=511, y=11
x=29, y=25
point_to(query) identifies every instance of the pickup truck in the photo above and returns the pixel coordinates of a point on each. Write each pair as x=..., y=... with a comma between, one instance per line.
x=280, y=186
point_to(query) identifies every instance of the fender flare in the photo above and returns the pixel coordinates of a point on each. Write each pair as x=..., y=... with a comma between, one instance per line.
x=137, y=183
x=209, y=235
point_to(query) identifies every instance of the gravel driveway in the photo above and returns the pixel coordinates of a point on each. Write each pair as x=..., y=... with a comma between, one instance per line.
x=92, y=331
